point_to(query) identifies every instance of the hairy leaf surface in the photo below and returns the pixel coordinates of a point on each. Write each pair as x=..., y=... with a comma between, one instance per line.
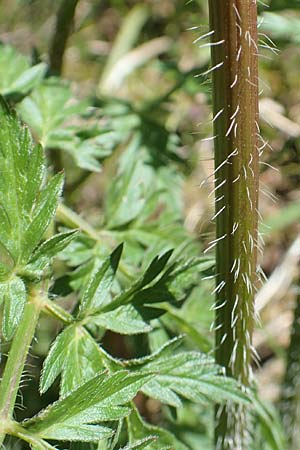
x=13, y=294
x=191, y=375
x=90, y=402
x=74, y=354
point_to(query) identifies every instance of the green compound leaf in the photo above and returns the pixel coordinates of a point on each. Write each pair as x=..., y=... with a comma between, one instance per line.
x=99, y=285
x=125, y=313
x=148, y=297
x=176, y=319
x=92, y=402
x=49, y=109
x=26, y=208
x=139, y=429
x=16, y=75
x=154, y=269
x=75, y=354
x=190, y=375
x=123, y=320
x=17, y=191
x=127, y=195
x=42, y=215
x=43, y=255
x=13, y=294
x=54, y=363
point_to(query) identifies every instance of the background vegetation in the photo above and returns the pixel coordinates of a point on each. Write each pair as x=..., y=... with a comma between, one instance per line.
x=132, y=114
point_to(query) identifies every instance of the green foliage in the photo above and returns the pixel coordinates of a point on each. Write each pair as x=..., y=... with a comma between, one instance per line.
x=272, y=435
x=97, y=400
x=17, y=78
x=282, y=4
x=95, y=387
x=49, y=110
x=122, y=279
x=98, y=288
x=43, y=255
x=281, y=27
x=74, y=354
x=140, y=445
x=27, y=207
x=163, y=440
x=13, y=294
x=289, y=215
x=189, y=375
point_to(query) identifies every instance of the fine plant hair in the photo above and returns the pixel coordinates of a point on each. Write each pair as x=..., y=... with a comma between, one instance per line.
x=234, y=52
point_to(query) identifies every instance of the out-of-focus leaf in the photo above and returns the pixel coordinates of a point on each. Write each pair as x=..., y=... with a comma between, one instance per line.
x=126, y=196
x=47, y=109
x=88, y=153
x=285, y=217
x=16, y=75
x=133, y=60
x=271, y=429
x=281, y=26
x=277, y=5
x=175, y=320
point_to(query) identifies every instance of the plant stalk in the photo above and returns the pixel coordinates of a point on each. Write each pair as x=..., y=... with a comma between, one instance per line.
x=234, y=51
x=64, y=24
x=17, y=357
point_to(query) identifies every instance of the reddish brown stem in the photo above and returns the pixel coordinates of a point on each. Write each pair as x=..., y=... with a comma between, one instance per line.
x=235, y=103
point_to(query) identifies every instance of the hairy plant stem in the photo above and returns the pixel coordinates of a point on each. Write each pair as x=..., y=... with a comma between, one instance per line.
x=63, y=27
x=17, y=357
x=235, y=104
